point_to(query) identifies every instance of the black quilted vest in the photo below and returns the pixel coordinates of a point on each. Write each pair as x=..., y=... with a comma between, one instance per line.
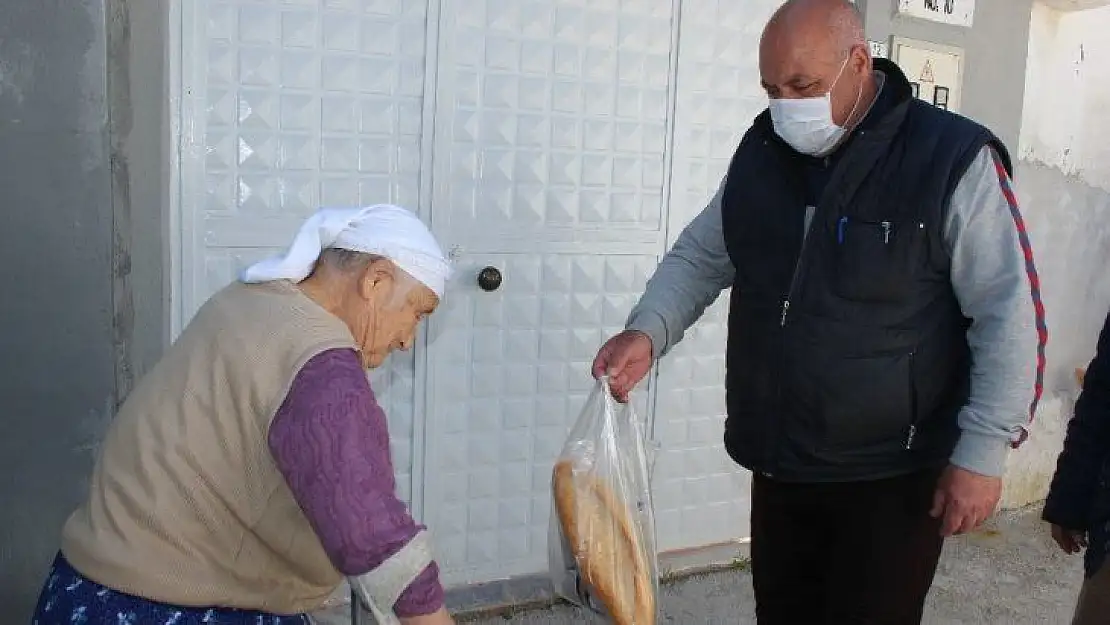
x=847, y=355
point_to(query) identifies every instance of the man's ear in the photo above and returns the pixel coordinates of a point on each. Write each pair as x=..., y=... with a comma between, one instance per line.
x=861, y=59
x=377, y=279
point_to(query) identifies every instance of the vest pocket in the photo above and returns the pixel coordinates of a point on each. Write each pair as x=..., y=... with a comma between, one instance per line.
x=860, y=403
x=874, y=259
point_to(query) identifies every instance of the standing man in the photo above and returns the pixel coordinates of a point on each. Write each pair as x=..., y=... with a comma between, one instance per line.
x=886, y=337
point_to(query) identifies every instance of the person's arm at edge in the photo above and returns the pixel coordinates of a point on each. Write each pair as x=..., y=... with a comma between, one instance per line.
x=330, y=440
x=689, y=278
x=995, y=280
x=1086, y=446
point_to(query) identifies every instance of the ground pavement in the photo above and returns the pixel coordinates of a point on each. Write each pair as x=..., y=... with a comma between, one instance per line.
x=1008, y=573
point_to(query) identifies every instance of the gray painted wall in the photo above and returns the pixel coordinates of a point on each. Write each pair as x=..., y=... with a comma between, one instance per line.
x=139, y=83
x=56, y=358
x=82, y=235
x=994, y=47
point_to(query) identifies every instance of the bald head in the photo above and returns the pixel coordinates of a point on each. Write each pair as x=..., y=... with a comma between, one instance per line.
x=813, y=47
x=833, y=24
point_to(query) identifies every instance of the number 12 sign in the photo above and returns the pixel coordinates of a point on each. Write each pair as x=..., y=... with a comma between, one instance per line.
x=955, y=12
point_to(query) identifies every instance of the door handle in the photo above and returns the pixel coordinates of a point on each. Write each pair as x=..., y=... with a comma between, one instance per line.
x=489, y=279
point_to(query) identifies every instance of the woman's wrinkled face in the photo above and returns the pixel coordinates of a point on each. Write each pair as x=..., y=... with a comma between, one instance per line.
x=385, y=309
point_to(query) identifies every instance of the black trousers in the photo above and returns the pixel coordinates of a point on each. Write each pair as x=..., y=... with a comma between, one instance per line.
x=859, y=553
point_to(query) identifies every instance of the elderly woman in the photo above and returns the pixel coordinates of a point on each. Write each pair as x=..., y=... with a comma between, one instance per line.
x=249, y=471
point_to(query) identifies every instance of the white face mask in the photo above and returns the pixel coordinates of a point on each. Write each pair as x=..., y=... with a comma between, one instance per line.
x=806, y=124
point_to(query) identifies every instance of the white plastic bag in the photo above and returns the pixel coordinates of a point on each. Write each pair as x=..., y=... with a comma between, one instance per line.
x=601, y=548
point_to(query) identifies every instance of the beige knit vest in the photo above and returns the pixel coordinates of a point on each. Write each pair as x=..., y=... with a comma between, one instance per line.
x=186, y=505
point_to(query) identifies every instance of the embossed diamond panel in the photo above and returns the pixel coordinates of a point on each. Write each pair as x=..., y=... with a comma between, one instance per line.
x=551, y=128
x=510, y=371
x=701, y=496
x=558, y=112
x=291, y=105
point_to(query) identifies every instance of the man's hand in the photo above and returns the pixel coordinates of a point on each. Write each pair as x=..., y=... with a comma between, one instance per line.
x=1070, y=541
x=626, y=359
x=963, y=500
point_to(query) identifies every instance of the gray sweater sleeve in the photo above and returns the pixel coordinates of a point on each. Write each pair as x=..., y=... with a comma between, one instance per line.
x=688, y=279
x=996, y=283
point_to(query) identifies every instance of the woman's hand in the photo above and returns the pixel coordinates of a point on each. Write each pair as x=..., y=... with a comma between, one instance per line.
x=440, y=617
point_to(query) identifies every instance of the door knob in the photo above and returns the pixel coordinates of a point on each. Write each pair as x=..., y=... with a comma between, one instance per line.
x=489, y=279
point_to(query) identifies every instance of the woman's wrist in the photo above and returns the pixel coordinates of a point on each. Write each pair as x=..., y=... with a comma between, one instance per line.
x=439, y=617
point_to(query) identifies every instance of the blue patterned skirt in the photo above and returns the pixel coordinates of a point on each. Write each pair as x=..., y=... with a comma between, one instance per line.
x=69, y=598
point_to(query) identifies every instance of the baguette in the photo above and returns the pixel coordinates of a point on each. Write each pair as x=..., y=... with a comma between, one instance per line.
x=600, y=531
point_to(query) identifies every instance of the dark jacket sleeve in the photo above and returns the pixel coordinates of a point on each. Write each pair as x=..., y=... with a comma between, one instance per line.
x=1086, y=447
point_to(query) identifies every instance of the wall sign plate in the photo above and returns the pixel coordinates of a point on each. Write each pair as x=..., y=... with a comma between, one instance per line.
x=955, y=12
x=879, y=49
x=935, y=71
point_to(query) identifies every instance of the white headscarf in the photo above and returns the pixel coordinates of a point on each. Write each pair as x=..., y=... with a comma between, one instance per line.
x=383, y=230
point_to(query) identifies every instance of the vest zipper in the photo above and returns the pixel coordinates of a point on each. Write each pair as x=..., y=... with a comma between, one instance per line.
x=911, y=432
x=826, y=161
x=773, y=440
x=782, y=325
x=797, y=266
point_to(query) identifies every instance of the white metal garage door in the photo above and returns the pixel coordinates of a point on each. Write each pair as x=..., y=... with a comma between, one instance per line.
x=564, y=142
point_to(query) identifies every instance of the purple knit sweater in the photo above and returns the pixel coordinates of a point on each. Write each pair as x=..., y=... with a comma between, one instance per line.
x=330, y=440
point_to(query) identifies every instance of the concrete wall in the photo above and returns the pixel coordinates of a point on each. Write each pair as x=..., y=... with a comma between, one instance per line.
x=1063, y=179
x=56, y=356
x=994, y=55
x=138, y=75
x=80, y=182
